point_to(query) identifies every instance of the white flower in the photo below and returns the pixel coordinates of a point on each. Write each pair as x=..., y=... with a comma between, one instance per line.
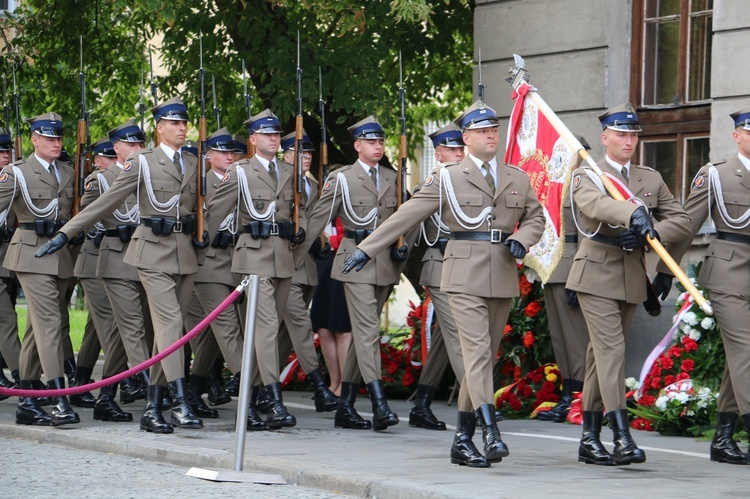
x=690, y=318
x=632, y=383
x=707, y=323
x=702, y=403
x=530, y=274
x=690, y=413
x=694, y=334
x=661, y=403
x=682, y=397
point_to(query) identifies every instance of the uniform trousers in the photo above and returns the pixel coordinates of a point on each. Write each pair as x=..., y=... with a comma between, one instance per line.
x=365, y=303
x=445, y=344
x=296, y=328
x=103, y=319
x=168, y=299
x=480, y=324
x=732, y=313
x=272, y=297
x=608, y=322
x=10, y=345
x=132, y=316
x=568, y=332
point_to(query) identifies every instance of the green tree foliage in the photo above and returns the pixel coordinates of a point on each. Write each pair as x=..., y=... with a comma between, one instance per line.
x=356, y=43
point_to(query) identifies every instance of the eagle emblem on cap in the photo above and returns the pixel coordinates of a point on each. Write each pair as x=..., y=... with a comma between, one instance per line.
x=699, y=182
x=88, y=186
x=429, y=180
x=3, y=178
x=127, y=166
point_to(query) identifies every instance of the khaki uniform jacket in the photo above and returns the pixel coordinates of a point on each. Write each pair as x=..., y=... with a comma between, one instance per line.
x=560, y=274
x=173, y=254
x=432, y=260
x=477, y=268
x=382, y=271
x=271, y=257
x=10, y=224
x=307, y=271
x=20, y=252
x=609, y=271
x=726, y=264
x=217, y=267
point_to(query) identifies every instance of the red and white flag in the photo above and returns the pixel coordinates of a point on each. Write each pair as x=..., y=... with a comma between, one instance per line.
x=534, y=146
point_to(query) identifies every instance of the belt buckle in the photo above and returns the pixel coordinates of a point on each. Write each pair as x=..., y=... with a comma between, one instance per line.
x=496, y=236
x=274, y=229
x=177, y=226
x=629, y=250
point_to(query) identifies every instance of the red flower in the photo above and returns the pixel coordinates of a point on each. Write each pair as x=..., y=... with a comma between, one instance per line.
x=515, y=404
x=642, y=424
x=508, y=329
x=656, y=383
x=527, y=391
x=647, y=400
x=690, y=344
x=668, y=379
x=666, y=362
x=408, y=378
x=675, y=351
x=516, y=372
x=528, y=340
x=532, y=309
x=524, y=285
x=687, y=365
x=537, y=377
x=656, y=371
x=682, y=376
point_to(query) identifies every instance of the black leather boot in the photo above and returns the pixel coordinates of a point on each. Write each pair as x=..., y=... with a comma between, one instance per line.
x=421, y=415
x=41, y=401
x=232, y=387
x=264, y=403
x=216, y=393
x=346, y=415
x=591, y=450
x=278, y=415
x=61, y=412
x=723, y=447
x=382, y=416
x=28, y=411
x=16, y=377
x=83, y=377
x=182, y=412
x=106, y=409
x=254, y=421
x=5, y=383
x=325, y=400
x=152, y=419
x=625, y=452
x=494, y=448
x=463, y=450
x=195, y=396
x=131, y=389
x=69, y=366
x=166, y=402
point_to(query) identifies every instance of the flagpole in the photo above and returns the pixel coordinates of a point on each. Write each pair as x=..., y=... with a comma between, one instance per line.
x=519, y=75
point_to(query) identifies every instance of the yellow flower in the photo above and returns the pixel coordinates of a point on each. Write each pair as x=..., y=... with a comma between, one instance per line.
x=551, y=377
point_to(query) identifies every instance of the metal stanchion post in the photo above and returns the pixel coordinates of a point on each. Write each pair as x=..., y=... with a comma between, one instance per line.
x=242, y=406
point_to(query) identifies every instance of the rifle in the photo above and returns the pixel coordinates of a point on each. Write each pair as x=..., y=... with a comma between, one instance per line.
x=248, y=98
x=297, y=179
x=141, y=105
x=6, y=106
x=217, y=109
x=201, y=177
x=480, y=86
x=401, y=194
x=323, y=167
x=157, y=139
x=83, y=154
x=17, y=145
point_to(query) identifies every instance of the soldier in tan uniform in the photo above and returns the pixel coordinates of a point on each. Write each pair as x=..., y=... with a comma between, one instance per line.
x=40, y=191
x=479, y=268
x=721, y=191
x=296, y=327
x=609, y=275
x=163, y=250
x=363, y=196
x=445, y=345
x=10, y=346
x=258, y=191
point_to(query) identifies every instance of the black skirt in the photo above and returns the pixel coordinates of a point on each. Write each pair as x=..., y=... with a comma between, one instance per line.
x=328, y=309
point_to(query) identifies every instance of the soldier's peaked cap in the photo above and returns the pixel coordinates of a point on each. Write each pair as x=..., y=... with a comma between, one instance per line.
x=6, y=143
x=620, y=118
x=220, y=140
x=47, y=125
x=173, y=109
x=449, y=136
x=127, y=132
x=478, y=115
x=103, y=147
x=742, y=118
x=288, y=142
x=368, y=128
x=264, y=122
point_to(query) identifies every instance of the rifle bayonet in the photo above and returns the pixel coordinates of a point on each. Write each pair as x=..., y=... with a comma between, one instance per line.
x=217, y=109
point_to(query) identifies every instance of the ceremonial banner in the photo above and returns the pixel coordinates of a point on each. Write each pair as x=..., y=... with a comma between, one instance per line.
x=534, y=146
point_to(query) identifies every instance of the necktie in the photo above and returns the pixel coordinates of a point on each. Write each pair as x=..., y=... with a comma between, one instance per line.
x=304, y=191
x=177, y=164
x=374, y=176
x=272, y=171
x=488, y=176
x=53, y=172
x=625, y=173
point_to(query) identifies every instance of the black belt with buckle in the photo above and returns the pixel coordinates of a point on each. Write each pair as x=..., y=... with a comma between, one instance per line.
x=358, y=235
x=57, y=224
x=612, y=241
x=733, y=237
x=493, y=236
x=167, y=226
x=571, y=238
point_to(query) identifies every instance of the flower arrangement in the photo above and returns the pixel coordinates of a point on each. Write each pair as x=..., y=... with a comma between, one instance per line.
x=538, y=387
x=400, y=354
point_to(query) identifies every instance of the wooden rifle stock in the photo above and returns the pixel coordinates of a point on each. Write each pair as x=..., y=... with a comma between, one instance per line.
x=80, y=166
x=250, y=148
x=18, y=146
x=200, y=179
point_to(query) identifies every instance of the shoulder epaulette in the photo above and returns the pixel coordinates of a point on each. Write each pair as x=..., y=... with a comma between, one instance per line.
x=514, y=168
x=644, y=167
x=715, y=163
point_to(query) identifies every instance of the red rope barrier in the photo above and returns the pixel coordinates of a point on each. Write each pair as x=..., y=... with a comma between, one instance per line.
x=16, y=392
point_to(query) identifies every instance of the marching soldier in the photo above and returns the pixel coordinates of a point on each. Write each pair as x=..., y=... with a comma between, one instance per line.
x=10, y=346
x=40, y=191
x=479, y=268
x=162, y=250
x=259, y=193
x=445, y=344
x=296, y=326
x=609, y=274
x=718, y=191
x=363, y=196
